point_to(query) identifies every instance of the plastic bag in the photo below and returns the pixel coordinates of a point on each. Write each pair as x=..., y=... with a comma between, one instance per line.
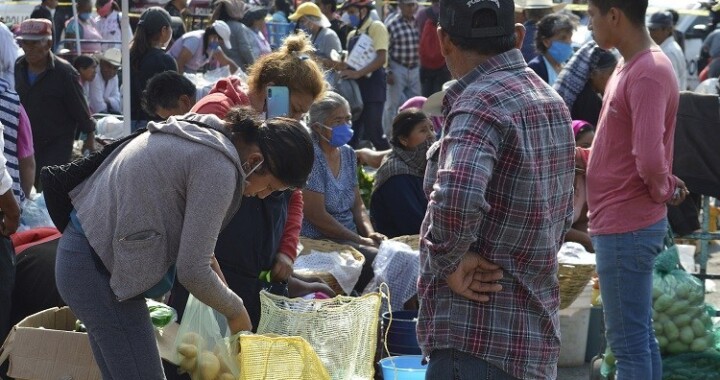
x=398, y=266
x=110, y=128
x=680, y=318
x=35, y=214
x=203, y=345
x=161, y=315
x=607, y=367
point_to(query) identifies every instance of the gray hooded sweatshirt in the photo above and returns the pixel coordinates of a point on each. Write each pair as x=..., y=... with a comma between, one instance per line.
x=161, y=200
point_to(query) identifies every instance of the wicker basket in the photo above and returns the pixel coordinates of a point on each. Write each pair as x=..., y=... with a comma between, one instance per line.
x=573, y=279
x=412, y=240
x=328, y=246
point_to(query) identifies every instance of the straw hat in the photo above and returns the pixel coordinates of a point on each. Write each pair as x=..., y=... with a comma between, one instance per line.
x=521, y=5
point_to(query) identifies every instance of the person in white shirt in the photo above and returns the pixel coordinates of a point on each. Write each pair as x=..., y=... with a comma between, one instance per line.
x=104, y=93
x=8, y=55
x=108, y=23
x=661, y=30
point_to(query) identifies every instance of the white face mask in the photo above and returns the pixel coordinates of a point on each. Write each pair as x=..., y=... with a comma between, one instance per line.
x=247, y=183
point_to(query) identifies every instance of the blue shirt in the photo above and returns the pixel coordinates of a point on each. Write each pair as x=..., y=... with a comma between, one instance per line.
x=339, y=191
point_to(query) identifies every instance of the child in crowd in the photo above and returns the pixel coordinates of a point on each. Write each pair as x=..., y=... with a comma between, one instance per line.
x=87, y=68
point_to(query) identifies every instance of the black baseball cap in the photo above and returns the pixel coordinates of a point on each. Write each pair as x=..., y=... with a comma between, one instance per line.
x=660, y=20
x=456, y=18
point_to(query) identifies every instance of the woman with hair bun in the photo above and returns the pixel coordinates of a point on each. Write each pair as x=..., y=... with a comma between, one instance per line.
x=195, y=170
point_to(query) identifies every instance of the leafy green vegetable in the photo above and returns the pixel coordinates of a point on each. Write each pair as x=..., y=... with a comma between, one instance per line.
x=365, y=183
x=161, y=314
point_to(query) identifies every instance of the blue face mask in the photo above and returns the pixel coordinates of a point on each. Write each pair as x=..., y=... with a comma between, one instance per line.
x=213, y=45
x=560, y=51
x=84, y=16
x=340, y=135
x=354, y=20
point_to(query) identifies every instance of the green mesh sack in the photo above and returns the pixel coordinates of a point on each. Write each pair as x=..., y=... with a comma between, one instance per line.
x=680, y=319
x=669, y=259
x=692, y=366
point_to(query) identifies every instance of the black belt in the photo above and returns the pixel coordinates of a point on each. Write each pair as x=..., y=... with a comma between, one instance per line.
x=409, y=67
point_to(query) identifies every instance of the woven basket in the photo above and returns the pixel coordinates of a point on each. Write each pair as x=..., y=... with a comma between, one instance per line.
x=412, y=240
x=328, y=246
x=573, y=279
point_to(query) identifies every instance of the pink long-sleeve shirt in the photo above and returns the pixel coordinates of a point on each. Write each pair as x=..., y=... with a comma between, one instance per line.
x=629, y=174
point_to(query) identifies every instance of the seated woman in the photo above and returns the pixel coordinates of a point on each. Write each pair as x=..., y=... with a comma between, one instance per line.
x=398, y=202
x=582, y=81
x=578, y=233
x=333, y=207
x=553, y=41
x=196, y=49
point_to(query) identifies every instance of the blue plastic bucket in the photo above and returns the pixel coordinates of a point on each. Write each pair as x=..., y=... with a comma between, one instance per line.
x=403, y=368
x=402, y=338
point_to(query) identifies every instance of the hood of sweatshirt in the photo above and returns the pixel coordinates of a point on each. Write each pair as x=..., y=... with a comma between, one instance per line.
x=208, y=130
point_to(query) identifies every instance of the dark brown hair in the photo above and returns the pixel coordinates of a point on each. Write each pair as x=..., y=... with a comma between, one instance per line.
x=291, y=66
x=284, y=143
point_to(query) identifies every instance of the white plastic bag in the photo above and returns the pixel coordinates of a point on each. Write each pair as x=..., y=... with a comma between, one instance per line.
x=204, y=349
x=397, y=265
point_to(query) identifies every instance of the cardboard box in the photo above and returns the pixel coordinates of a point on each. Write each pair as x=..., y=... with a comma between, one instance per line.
x=44, y=346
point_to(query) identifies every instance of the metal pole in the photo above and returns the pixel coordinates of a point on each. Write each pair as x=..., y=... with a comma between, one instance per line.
x=77, y=31
x=125, y=25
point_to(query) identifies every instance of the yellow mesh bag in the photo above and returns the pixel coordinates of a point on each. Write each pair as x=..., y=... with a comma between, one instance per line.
x=342, y=330
x=278, y=358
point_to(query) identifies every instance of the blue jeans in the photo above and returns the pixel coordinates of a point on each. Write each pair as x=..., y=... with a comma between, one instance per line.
x=452, y=364
x=120, y=333
x=406, y=86
x=625, y=267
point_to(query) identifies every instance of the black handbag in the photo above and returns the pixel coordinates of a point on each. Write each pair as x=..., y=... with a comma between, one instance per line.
x=59, y=180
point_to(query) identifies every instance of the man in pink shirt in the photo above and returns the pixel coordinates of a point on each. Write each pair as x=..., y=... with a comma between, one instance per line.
x=629, y=181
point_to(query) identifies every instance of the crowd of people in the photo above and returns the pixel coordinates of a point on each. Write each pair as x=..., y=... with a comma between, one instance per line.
x=491, y=134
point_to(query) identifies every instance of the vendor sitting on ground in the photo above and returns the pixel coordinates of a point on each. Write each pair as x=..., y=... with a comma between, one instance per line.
x=578, y=233
x=398, y=202
x=200, y=49
x=333, y=207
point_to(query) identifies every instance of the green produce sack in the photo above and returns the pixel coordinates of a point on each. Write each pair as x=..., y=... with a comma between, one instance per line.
x=680, y=318
x=692, y=366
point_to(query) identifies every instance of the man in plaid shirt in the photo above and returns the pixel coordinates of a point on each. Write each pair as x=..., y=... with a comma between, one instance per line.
x=500, y=186
x=404, y=67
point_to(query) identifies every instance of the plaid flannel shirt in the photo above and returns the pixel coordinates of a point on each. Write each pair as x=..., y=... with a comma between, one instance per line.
x=404, y=41
x=500, y=184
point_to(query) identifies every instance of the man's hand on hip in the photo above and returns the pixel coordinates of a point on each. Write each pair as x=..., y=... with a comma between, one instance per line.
x=475, y=277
